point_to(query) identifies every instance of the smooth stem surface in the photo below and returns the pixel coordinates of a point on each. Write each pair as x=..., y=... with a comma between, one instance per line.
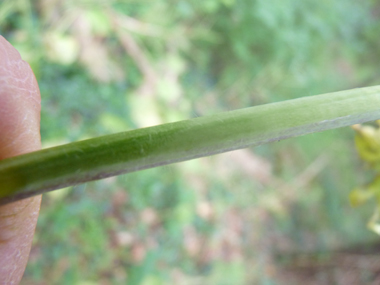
x=101, y=157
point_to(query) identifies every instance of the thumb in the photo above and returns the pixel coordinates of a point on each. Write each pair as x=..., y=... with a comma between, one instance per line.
x=20, y=106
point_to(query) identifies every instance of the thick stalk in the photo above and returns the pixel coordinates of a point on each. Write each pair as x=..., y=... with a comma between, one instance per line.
x=105, y=156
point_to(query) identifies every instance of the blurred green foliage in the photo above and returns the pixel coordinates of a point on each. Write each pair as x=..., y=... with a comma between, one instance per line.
x=109, y=66
x=367, y=141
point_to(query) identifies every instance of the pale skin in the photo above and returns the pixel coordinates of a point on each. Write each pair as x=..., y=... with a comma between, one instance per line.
x=20, y=105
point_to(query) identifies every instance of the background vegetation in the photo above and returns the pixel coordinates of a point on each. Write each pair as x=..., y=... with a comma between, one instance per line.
x=238, y=218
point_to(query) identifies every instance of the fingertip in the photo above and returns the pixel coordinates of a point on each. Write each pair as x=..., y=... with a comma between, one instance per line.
x=7, y=51
x=20, y=105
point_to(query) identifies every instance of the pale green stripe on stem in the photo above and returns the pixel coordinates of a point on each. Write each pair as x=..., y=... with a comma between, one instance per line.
x=87, y=160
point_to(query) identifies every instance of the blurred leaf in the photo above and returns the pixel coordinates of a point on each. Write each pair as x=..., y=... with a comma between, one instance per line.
x=60, y=48
x=7, y=8
x=59, y=194
x=113, y=123
x=152, y=280
x=99, y=21
x=374, y=222
x=367, y=142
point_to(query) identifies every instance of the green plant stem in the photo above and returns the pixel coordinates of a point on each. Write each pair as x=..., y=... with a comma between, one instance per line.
x=57, y=167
